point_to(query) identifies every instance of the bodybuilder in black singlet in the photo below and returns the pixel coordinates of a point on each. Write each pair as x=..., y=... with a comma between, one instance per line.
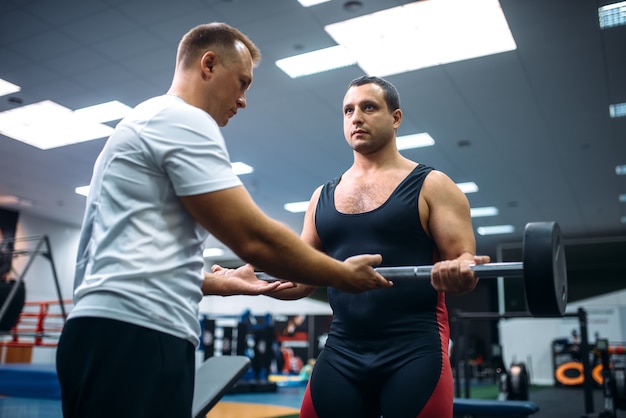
x=387, y=350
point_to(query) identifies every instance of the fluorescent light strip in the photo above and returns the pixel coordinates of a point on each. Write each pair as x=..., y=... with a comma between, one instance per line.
x=212, y=252
x=414, y=141
x=316, y=61
x=484, y=211
x=48, y=125
x=8, y=88
x=495, y=230
x=240, y=168
x=468, y=187
x=296, y=207
x=104, y=112
x=612, y=15
x=82, y=190
x=620, y=170
x=617, y=110
x=309, y=3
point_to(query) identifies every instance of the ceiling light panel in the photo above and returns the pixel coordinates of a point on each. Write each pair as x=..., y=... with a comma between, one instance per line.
x=82, y=190
x=617, y=110
x=414, y=141
x=8, y=88
x=468, y=187
x=104, y=112
x=424, y=34
x=612, y=15
x=495, y=230
x=309, y=3
x=296, y=207
x=316, y=61
x=212, y=252
x=484, y=211
x=240, y=168
x=48, y=125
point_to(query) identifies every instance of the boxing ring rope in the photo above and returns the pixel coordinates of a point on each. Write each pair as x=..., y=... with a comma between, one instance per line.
x=38, y=322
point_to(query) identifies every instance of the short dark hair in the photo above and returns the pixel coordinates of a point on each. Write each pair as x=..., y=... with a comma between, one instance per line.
x=216, y=35
x=391, y=94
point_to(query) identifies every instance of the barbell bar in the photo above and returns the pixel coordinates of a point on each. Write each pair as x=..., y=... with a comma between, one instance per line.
x=543, y=270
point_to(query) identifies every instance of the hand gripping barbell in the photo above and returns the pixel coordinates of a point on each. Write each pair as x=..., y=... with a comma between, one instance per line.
x=543, y=270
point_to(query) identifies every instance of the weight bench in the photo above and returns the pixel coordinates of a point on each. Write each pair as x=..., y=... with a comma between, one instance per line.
x=213, y=379
x=479, y=408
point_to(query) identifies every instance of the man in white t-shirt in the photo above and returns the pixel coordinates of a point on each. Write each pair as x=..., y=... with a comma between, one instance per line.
x=163, y=182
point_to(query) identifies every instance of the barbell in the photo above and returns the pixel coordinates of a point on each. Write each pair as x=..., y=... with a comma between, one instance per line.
x=543, y=270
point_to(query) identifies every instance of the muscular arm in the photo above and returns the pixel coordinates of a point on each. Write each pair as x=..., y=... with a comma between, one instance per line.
x=234, y=219
x=447, y=212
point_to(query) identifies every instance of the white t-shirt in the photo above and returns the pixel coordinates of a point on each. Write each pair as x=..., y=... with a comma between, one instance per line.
x=140, y=252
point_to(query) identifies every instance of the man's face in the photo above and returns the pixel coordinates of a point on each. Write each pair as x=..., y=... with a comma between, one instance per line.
x=367, y=122
x=231, y=80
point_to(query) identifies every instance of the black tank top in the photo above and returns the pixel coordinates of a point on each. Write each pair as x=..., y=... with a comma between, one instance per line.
x=393, y=230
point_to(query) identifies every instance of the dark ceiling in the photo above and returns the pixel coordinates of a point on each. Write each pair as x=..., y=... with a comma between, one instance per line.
x=531, y=127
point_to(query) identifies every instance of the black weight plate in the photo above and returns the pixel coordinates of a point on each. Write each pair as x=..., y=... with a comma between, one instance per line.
x=545, y=270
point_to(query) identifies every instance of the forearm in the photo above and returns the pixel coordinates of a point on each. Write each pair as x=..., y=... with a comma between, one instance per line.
x=298, y=292
x=212, y=285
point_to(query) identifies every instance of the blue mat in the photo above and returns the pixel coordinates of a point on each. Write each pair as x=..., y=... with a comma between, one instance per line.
x=491, y=408
x=29, y=381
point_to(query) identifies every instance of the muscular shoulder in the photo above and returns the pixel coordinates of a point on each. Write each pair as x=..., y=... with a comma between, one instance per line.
x=439, y=194
x=438, y=183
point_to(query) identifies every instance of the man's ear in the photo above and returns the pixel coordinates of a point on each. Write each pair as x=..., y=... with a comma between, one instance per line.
x=397, y=117
x=209, y=60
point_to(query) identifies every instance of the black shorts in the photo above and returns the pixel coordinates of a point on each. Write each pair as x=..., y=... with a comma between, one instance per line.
x=110, y=368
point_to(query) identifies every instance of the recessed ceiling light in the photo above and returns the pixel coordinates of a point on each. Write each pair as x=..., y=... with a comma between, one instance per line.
x=48, y=125
x=316, y=61
x=484, y=211
x=620, y=170
x=212, y=252
x=622, y=198
x=82, y=190
x=104, y=112
x=240, y=168
x=612, y=15
x=296, y=207
x=309, y=3
x=409, y=37
x=468, y=187
x=424, y=34
x=8, y=88
x=495, y=230
x=617, y=110
x=414, y=141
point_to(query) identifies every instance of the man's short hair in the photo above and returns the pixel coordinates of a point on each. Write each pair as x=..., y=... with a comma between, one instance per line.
x=391, y=94
x=213, y=36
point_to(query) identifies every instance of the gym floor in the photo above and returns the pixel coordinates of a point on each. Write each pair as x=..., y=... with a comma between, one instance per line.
x=553, y=403
x=285, y=402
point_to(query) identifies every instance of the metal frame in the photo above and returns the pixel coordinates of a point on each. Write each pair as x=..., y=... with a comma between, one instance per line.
x=42, y=248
